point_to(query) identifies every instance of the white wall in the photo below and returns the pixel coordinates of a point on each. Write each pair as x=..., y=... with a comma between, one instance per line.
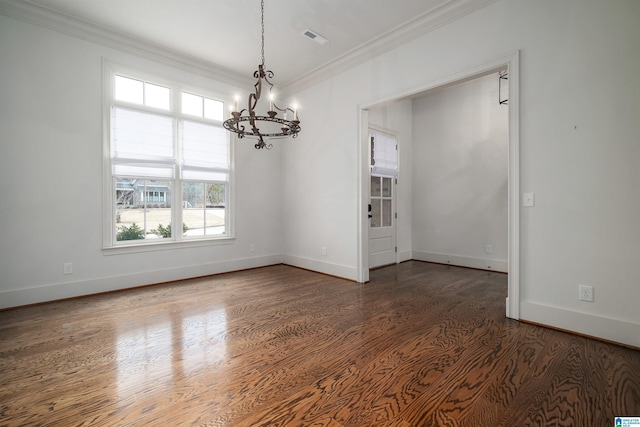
x=319, y=170
x=579, y=127
x=398, y=119
x=51, y=177
x=460, y=155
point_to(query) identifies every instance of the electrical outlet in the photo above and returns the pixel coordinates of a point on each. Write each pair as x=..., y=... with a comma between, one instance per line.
x=324, y=251
x=488, y=249
x=586, y=293
x=67, y=268
x=252, y=247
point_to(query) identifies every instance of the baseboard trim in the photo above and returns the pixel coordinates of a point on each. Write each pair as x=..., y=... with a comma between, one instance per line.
x=599, y=327
x=59, y=291
x=404, y=256
x=462, y=261
x=337, y=270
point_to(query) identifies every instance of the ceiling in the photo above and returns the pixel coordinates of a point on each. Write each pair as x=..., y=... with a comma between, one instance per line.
x=225, y=34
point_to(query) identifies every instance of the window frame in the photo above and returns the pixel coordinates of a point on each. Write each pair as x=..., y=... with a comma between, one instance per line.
x=110, y=245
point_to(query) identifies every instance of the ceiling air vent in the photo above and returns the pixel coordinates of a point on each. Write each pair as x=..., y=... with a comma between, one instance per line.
x=312, y=35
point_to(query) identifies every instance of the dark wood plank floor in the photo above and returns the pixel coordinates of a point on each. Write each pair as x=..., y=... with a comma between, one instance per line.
x=420, y=345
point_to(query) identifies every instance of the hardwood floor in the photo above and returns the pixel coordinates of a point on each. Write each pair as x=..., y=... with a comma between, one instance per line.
x=420, y=345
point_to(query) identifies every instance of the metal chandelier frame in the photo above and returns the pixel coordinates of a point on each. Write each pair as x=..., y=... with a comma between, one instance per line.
x=246, y=123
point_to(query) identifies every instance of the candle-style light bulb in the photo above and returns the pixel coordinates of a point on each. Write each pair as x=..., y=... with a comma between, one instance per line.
x=270, y=102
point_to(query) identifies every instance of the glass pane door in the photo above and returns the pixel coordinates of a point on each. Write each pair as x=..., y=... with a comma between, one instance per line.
x=381, y=202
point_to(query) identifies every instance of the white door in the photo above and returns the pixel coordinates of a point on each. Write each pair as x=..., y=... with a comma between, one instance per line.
x=382, y=223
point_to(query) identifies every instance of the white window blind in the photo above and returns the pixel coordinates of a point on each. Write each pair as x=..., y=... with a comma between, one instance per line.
x=205, y=152
x=142, y=144
x=385, y=155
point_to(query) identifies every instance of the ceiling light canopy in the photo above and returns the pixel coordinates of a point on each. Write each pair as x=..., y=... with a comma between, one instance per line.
x=247, y=123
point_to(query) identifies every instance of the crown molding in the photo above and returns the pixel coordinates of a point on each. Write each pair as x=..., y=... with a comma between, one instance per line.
x=29, y=12
x=26, y=11
x=420, y=25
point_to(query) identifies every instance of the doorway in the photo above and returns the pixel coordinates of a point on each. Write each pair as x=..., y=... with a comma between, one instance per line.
x=511, y=63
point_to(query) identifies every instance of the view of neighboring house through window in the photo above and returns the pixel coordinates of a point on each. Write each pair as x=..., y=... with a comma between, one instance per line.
x=169, y=161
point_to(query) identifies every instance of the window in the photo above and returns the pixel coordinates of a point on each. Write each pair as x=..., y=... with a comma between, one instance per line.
x=168, y=163
x=384, y=169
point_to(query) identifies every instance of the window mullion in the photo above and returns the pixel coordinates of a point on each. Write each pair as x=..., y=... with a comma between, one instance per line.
x=176, y=210
x=144, y=206
x=204, y=205
x=176, y=206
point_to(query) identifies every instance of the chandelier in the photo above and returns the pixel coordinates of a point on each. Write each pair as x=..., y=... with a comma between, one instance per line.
x=247, y=123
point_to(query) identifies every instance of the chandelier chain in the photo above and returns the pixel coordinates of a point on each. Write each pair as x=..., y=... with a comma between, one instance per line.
x=262, y=11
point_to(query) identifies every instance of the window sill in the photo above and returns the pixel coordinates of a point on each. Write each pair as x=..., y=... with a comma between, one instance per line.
x=165, y=246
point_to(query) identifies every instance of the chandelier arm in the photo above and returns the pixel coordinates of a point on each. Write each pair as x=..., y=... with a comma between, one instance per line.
x=284, y=110
x=253, y=98
x=252, y=104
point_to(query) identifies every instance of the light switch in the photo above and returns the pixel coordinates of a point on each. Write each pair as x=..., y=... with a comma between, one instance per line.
x=528, y=199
